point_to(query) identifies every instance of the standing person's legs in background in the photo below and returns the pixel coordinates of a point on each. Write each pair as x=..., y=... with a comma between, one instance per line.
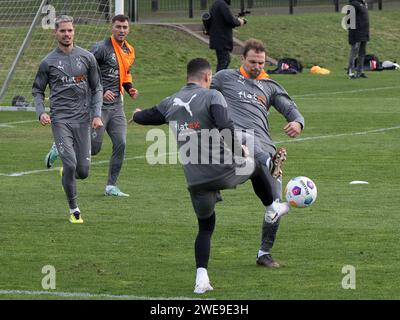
x=361, y=58
x=223, y=59
x=353, y=54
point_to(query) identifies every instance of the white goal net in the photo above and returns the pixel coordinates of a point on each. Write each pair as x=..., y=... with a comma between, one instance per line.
x=26, y=37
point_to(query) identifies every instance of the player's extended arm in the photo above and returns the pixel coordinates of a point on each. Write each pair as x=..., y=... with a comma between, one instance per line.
x=150, y=116
x=38, y=89
x=288, y=108
x=96, y=88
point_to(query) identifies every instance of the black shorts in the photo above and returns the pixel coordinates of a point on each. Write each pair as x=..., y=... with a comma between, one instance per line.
x=204, y=196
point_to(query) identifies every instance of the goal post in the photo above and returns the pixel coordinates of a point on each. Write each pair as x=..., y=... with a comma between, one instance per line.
x=119, y=7
x=21, y=50
x=26, y=28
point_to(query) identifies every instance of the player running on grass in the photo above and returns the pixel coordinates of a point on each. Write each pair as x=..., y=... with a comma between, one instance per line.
x=115, y=56
x=73, y=76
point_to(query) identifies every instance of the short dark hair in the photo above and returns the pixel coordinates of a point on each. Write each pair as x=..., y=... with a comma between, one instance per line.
x=120, y=18
x=254, y=44
x=63, y=19
x=196, y=66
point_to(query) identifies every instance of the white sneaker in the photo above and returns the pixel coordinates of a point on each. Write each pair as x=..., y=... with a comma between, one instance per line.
x=51, y=156
x=351, y=75
x=114, y=191
x=203, y=287
x=276, y=210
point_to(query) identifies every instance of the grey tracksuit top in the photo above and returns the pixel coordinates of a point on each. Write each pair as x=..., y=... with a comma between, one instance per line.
x=109, y=68
x=249, y=102
x=74, y=80
x=189, y=111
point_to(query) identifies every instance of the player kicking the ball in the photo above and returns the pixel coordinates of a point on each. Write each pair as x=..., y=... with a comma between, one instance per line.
x=193, y=111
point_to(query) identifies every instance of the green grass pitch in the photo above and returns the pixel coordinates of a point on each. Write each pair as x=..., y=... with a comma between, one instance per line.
x=142, y=246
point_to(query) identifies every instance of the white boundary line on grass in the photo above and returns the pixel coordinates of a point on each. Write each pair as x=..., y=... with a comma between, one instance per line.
x=18, y=122
x=341, y=92
x=10, y=124
x=88, y=295
x=6, y=124
x=340, y=135
x=24, y=173
x=380, y=130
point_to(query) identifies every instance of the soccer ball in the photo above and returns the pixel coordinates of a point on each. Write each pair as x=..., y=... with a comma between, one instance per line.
x=301, y=192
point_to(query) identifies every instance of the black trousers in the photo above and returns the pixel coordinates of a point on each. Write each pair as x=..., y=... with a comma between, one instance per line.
x=205, y=196
x=223, y=59
x=358, y=50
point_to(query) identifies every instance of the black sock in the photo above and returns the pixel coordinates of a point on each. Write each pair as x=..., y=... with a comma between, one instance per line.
x=203, y=241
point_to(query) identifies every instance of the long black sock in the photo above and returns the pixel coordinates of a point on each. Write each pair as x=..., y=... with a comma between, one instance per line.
x=262, y=184
x=203, y=241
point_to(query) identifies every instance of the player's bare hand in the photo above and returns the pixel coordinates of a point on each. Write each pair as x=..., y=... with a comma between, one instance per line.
x=44, y=119
x=97, y=123
x=133, y=93
x=131, y=119
x=109, y=96
x=292, y=129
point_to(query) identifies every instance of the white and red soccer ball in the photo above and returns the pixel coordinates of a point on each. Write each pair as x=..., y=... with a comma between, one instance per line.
x=301, y=192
